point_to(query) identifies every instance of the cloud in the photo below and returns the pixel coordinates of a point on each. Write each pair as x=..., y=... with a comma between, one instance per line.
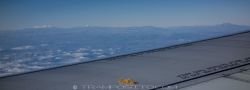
x=97, y=50
x=18, y=66
x=42, y=26
x=81, y=49
x=97, y=53
x=58, y=50
x=35, y=67
x=76, y=54
x=74, y=57
x=12, y=68
x=22, y=47
x=66, y=54
x=16, y=70
x=101, y=56
x=40, y=60
x=45, y=57
x=79, y=55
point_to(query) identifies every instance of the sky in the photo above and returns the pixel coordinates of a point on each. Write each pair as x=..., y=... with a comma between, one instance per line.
x=17, y=14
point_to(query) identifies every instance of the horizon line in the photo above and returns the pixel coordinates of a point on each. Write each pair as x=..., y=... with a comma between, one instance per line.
x=46, y=26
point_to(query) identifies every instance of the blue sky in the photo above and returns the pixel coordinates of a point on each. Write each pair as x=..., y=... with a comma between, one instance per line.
x=17, y=14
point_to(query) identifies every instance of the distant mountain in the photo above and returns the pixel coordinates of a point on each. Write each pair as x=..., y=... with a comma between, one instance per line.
x=103, y=37
x=43, y=47
x=219, y=27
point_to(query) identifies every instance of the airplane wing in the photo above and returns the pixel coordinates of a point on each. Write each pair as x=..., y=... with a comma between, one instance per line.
x=189, y=66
